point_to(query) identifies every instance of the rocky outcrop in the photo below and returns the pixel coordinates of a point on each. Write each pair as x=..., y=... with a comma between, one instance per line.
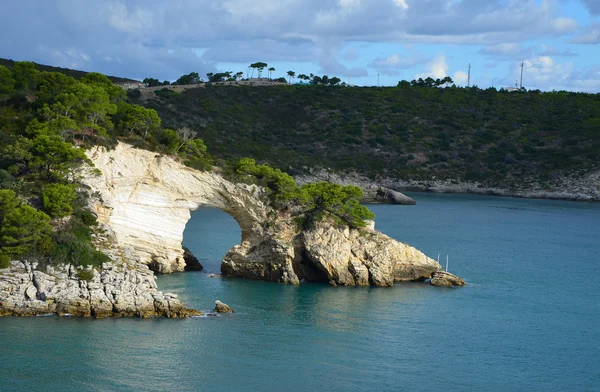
x=221, y=307
x=380, y=194
x=191, y=262
x=143, y=202
x=126, y=290
x=326, y=253
x=146, y=198
x=446, y=279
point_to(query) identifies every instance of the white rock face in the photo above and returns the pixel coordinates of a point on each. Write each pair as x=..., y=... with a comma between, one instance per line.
x=146, y=199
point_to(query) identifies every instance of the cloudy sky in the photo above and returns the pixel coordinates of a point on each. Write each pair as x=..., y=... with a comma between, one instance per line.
x=356, y=40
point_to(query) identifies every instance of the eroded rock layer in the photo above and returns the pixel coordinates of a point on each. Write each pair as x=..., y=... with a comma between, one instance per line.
x=340, y=256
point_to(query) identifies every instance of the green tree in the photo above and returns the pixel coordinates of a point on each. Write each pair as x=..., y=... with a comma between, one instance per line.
x=96, y=79
x=259, y=66
x=54, y=156
x=138, y=119
x=334, y=81
x=271, y=70
x=51, y=84
x=7, y=83
x=191, y=78
x=58, y=199
x=22, y=227
x=151, y=82
x=291, y=74
x=25, y=75
x=340, y=202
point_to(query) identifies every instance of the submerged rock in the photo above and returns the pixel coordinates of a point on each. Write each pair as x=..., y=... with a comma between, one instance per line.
x=221, y=307
x=446, y=279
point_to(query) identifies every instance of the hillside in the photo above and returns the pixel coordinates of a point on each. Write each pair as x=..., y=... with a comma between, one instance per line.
x=496, y=138
x=66, y=71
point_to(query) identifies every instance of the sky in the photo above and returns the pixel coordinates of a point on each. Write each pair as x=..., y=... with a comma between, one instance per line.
x=363, y=42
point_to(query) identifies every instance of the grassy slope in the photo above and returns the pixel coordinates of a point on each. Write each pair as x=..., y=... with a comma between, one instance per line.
x=414, y=133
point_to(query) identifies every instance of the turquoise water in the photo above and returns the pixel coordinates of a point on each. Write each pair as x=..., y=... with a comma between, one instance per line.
x=529, y=319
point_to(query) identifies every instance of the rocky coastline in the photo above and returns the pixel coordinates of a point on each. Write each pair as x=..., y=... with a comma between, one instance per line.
x=114, y=290
x=572, y=188
x=143, y=201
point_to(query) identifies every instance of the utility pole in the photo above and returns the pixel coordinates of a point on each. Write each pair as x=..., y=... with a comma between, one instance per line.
x=522, y=65
x=469, y=76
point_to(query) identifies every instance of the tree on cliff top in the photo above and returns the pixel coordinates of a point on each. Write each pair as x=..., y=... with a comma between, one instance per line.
x=340, y=202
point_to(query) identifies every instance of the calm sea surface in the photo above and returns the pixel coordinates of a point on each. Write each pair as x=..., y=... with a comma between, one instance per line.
x=529, y=319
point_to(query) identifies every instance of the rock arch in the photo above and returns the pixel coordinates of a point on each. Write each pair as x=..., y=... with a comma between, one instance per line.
x=145, y=200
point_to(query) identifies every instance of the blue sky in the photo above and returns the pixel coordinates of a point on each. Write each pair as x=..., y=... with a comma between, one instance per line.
x=356, y=40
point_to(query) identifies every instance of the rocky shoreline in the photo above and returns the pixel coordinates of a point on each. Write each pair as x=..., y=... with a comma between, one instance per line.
x=143, y=201
x=126, y=290
x=574, y=188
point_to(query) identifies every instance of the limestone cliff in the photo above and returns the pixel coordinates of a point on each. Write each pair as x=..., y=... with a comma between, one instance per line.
x=146, y=199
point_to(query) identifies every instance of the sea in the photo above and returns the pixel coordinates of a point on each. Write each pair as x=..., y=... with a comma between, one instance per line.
x=527, y=320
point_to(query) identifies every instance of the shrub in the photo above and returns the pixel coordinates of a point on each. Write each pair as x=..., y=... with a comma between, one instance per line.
x=86, y=275
x=22, y=228
x=4, y=261
x=58, y=199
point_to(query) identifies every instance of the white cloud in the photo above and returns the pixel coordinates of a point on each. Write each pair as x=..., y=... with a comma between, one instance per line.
x=402, y=4
x=565, y=24
x=148, y=35
x=395, y=63
x=120, y=17
x=591, y=35
x=460, y=78
x=436, y=69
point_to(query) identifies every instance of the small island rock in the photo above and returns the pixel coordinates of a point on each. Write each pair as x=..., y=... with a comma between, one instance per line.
x=220, y=307
x=446, y=279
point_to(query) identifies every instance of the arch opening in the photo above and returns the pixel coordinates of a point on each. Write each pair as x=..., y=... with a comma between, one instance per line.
x=209, y=235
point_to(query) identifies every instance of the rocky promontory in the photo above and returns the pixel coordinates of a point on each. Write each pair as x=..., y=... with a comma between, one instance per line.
x=146, y=200
x=143, y=201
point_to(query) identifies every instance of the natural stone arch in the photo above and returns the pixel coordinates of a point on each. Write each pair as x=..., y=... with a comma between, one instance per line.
x=146, y=200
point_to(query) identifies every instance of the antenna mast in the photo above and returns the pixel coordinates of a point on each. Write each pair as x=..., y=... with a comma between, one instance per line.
x=522, y=64
x=469, y=76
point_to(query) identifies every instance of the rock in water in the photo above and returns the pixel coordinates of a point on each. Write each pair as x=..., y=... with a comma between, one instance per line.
x=191, y=262
x=446, y=279
x=220, y=307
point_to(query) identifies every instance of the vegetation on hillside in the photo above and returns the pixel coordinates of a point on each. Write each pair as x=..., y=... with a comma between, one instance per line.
x=47, y=119
x=407, y=132
x=65, y=71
